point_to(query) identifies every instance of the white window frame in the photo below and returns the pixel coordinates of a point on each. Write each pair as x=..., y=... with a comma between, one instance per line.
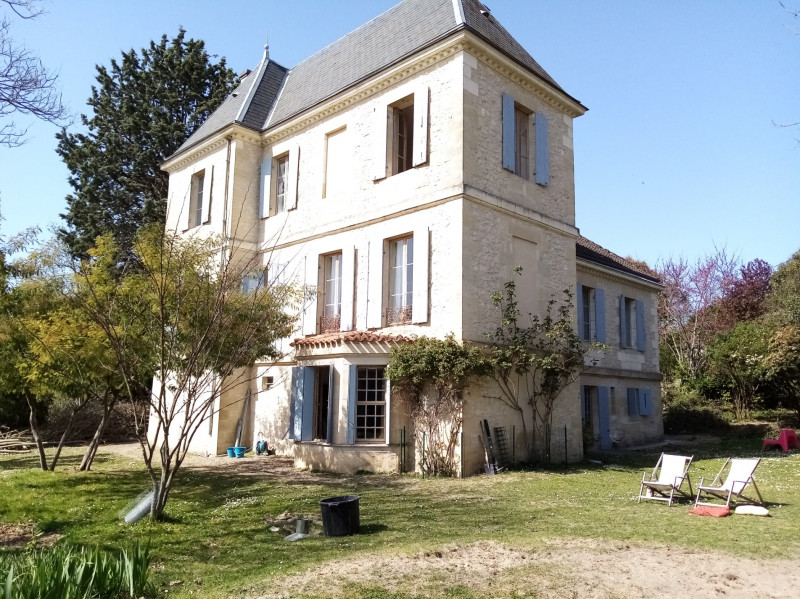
x=331, y=292
x=400, y=299
x=363, y=404
x=401, y=129
x=281, y=194
x=196, y=199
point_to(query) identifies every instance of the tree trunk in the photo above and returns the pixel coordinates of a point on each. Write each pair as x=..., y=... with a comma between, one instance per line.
x=62, y=440
x=528, y=450
x=35, y=431
x=162, y=488
x=91, y=451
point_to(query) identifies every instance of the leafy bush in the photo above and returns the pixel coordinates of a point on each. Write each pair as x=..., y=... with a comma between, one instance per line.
x=689, y=412
x=432, y=373
x=76, y=573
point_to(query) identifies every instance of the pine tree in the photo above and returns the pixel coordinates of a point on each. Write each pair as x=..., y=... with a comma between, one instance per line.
x=143, y=108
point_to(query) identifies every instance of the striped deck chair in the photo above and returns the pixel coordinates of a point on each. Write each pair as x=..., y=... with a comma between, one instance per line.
x=740, y=477
x=667, y=479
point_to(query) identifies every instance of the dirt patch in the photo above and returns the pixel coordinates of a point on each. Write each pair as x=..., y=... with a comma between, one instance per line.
x=574, y=568
x=17, y=536
x=249, y=466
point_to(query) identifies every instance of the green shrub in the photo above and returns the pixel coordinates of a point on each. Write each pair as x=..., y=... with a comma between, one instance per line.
x=687, y=412
x=75, y=573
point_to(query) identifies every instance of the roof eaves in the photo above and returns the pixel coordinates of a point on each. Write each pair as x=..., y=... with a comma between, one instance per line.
x=555, y=88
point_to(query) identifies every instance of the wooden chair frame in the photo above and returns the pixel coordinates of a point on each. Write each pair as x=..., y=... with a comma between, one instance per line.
x=732, y=487
x=664, y=487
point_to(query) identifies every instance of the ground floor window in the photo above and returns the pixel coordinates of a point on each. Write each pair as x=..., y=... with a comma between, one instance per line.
x=586, y=405
x=371, y=404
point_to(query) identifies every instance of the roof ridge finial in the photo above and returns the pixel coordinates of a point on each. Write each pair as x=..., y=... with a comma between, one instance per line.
x=266, y=46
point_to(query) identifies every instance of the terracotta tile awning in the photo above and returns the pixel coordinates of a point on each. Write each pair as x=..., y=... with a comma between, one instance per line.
x=349, y=337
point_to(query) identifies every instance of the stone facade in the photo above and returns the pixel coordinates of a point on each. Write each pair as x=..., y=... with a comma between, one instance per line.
x=321, y=184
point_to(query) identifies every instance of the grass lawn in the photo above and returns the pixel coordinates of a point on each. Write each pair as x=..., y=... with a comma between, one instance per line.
x=217, y=543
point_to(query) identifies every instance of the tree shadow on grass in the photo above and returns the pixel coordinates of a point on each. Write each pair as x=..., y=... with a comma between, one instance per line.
x=371, y=529
x=31, y=461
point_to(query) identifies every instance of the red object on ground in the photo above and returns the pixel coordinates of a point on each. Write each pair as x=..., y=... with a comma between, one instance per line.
x=709, y=510
x=787, y=439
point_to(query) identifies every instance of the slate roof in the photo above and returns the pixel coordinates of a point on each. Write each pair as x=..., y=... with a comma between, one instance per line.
x=228, y=111
x=389, y=38
x=587, y=249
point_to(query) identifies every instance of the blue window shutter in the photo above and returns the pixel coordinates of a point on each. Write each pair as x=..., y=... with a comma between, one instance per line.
x=329, y=432
x=508, y=133
x=296, y=403
x=306, y=431
x=633, y=401
x=645, y=402
x=640, y=338
x=600, y=315
x=623, y=321
x=352, y=390
x=604, y=417
x=579, y=292
x=583, y=401
x=542, y=150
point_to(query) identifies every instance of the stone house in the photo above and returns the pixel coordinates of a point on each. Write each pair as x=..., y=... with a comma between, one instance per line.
x=404, y=181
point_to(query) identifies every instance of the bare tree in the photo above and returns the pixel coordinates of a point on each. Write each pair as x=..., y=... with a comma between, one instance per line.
x=26, y=86
x=687, y=320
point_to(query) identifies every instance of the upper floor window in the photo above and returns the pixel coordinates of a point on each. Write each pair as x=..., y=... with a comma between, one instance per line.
x=196, y=199
x=587, y=322
x=516, y=141
x=401, y=138
x=521, y=147
x=402, y=118
x=337, y=160
x=281, y=182
x=591, y=314
x=401, y=280
x=631, y=323
x=332, y=293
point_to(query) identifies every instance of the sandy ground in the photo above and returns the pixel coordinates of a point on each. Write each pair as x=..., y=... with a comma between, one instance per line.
x=577, y=568
x=584, y=568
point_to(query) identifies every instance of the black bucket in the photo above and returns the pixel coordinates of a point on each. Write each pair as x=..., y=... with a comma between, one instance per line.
x=340, y=517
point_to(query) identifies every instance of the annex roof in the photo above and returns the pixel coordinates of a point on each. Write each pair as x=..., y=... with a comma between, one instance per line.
x=587, y=249
x=349, y=337
x=272, y=94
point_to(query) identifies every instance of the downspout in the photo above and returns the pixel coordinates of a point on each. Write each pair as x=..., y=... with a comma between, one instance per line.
x=229, y=140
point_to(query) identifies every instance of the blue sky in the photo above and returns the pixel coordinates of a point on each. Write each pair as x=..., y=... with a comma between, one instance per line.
x=680, y=150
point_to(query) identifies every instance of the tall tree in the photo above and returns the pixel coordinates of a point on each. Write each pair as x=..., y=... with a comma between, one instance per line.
x=179, y=310
x=784, y=300
x=745, y=296
x=143, y=108
x=686, y=319
x=26, y=86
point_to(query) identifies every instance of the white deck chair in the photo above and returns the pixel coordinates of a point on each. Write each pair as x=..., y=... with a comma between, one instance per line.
x=740, y=476
x=672, y=471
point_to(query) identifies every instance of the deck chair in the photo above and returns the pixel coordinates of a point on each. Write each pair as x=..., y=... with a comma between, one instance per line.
x=740, y=476
x=672, y=471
